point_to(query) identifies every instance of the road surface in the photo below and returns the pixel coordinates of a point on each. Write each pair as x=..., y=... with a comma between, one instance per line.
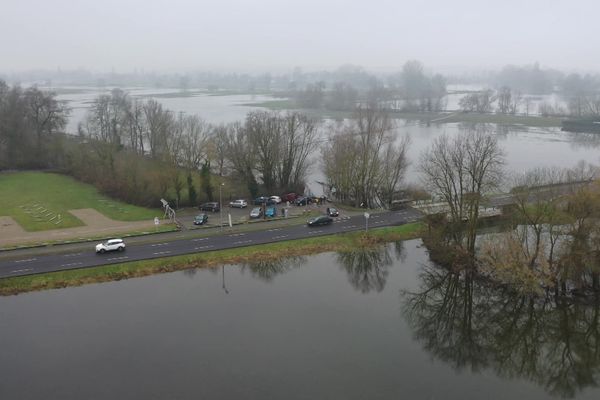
x=19, y=263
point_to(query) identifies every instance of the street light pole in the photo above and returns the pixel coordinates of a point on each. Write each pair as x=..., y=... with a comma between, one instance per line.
x=221, y=205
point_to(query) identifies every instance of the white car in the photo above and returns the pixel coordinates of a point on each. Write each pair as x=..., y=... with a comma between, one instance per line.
x=276, y=199
x=110, y=245
x=238, y=204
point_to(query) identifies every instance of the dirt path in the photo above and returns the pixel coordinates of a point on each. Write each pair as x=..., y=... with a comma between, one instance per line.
x=96, y=225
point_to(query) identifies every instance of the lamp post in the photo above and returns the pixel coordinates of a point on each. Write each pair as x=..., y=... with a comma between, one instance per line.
x=221, y=205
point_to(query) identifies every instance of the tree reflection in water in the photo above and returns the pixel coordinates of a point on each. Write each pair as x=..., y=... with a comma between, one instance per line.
x=368, y=267
x=469, y=324
x=267, y=270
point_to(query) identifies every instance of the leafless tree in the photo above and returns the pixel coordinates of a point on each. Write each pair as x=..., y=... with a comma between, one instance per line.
x=362, y=162
x=461, y=170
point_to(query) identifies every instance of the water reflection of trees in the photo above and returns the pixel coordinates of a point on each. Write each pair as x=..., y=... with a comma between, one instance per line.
x=369, y=267
x=470, y=324
x=267, y=270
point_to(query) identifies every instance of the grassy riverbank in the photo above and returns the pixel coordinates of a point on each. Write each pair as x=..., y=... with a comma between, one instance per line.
x=272, y=251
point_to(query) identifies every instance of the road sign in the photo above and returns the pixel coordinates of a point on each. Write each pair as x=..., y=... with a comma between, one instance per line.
x=156, y=221
x=367, y=215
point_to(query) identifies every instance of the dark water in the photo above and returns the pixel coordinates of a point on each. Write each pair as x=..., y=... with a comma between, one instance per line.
x=379, y=324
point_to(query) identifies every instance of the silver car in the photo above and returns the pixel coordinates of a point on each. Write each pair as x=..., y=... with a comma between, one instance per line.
x=238, y=204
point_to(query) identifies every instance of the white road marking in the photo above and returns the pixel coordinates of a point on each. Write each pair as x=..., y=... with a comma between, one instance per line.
x=237, y=234
x=21, y=270
x=117, y=258
x=72, y=264
x=280, y=236
x=198, y=240
x=161, y=252
x=72, y=255
x=26, y=260
x=160, y=244
x=204, y=247
x=243, y=242
x=273, y=230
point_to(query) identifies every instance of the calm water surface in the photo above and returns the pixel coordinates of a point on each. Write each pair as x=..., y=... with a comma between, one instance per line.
x=378, y=324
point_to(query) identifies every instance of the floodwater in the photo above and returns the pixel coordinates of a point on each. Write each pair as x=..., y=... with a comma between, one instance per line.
x=376, y=324
x=525, y=147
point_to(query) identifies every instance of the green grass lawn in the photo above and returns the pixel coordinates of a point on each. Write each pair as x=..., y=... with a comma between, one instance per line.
x=35, y=199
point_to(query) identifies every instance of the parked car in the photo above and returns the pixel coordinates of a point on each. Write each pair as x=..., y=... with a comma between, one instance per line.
x=271, y=212
x=276, y=199
x=212, y=206
x=332, y=212
x=238, y=203
x=110, y=245
x=263, y=200
x=321, y=220
x=256, y=212
x=291, y=197
x=302, y=201
x=200, y=219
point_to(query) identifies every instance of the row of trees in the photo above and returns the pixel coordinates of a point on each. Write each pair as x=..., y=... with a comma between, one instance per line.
x=269, y=148
x=30, y=121
x=507, y=101
x=411, y=89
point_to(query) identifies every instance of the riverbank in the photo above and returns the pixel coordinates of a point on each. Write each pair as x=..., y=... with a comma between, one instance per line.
x=268, y=252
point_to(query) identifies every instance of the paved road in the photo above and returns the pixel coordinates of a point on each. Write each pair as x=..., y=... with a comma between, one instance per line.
x=76, y=258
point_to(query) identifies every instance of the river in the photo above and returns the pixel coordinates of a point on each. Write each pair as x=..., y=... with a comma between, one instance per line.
x=377, y=324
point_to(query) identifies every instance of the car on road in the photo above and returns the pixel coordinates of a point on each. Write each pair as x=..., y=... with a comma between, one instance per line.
x=320, y=220
x=200, y=219
x=212, y=206
x=271, y=212
x=110, y=245
x=256, y=212
x=238, y=204
x=276, y=199
x=333, y=212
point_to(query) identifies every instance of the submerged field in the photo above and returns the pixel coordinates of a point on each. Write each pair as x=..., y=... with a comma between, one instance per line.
x=40, y=201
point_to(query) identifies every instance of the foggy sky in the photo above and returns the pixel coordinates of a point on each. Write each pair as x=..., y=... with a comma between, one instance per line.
x=180, y=35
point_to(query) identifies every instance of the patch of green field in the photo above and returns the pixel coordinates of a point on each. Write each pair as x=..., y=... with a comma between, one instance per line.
x=38, y=200
x=272, y=251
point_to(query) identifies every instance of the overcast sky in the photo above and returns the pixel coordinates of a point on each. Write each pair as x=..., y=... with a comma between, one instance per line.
x=182, y=35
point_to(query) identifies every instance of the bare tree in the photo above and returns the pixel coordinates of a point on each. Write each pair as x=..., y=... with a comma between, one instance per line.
x=461, y=170
x=362, y=162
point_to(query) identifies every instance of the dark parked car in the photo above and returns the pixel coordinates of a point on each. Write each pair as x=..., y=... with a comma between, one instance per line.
x=322, y=220
x=302, y=201
x=263, y=200
x=212, y=206
x=333, y=212
x=200, y=219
